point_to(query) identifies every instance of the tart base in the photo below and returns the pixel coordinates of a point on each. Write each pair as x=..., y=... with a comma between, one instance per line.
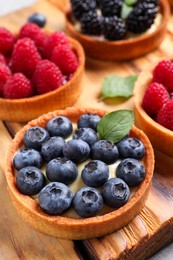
x=69, y=228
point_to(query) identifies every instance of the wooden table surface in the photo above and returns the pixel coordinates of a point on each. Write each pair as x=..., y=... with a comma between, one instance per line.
x=150, y=230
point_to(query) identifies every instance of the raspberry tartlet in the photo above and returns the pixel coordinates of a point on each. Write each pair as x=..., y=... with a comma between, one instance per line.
x=156, y=120
x=70, y=226
x=37, y=83
x=121, y=49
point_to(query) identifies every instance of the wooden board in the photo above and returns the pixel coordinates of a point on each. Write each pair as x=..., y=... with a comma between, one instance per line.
x=149, y=231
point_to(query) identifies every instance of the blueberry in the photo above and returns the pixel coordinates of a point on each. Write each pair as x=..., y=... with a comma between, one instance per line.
x=105, y=151
x=86, y=134
x=37, y=18
x=95, y=173
x=59, y=126
x=131, y=171
x=52, y=148
x=30, y=180
x=76, y=150
x=61, y=170
x=55, y=198
x=88, y=120
x=27, y=157
x=34, y=137
x=115, y=193
x=87, y=202
x=131, y=148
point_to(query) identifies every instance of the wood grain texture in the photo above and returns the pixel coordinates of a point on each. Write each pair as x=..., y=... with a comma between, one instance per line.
x=151, y=229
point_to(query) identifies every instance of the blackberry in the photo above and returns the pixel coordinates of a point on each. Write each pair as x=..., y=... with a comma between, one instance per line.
x=142, y=16
x=111, y=7
x=80, y=7
x=114, y=28
x=91, y=23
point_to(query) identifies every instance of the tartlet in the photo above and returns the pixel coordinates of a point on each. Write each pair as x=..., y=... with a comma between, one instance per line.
x=123, y=49
x=25, y=109
x=160, y=137
x=71, y=228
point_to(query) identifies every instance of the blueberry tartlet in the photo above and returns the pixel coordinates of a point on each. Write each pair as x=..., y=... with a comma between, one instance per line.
x=118, y=30
x=72, y=176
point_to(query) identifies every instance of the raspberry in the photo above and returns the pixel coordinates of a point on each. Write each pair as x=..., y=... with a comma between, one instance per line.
x=155, y=97
x=7, y=41
x=25, y=57
x=18, y=86
x=2, y=59
x=5, y=74
x=55, y=39
x=65, y=59
x=165, y=115
x=33, y=31
x=163, y=73
x=47, y=77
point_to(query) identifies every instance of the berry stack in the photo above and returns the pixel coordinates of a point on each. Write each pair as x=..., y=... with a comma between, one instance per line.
x=33, y=62
x=157, y=100
x=114, y=19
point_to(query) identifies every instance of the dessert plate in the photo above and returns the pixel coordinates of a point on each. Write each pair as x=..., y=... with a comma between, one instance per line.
x=22, y=110
x=123, y=49
x=69, y=227
x=160, y=137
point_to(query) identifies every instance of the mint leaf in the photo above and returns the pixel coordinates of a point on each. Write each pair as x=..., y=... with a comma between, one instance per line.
x=130, y=2
x=125, y=10
x=115, y=125
x=117, y=86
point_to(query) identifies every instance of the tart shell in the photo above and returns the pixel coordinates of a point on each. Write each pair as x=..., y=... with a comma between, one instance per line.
x=25, y=109
x=160, y=137
x=123, y=49
x=69, y=228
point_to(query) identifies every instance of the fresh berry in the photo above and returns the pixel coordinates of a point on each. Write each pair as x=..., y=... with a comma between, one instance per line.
x=7, y=41
x=114, y=28
x=88, y=120
x=111, y=7
x=61, y=169
x=86, y=134
x=115, y=193
x=155, y=97
x=18, y=86
x=59, y=126
x=27, y=157
x=33, y=31
x=105, y=151
x=142, y=16
x=131, y=171
x=165, y=115
x=95, y=173
x=37, y=18
x=55, y=39
x=91, y=23
x=163, y=74
x=34, y=137
x=30, y=180
x=25, y=57
x=52, y=148
x=2, y=59
x=76, y=150
x=5, y=74
x=55, y=198
x=47, y=77
x=87, y=202
x=65, y=59
x=131, y=148
x=80, y=7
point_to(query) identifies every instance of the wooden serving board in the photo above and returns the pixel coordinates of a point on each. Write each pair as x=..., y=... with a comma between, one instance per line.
x=150, y=230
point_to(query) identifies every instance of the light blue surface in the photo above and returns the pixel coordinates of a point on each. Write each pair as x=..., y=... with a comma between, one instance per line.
x=12, y=5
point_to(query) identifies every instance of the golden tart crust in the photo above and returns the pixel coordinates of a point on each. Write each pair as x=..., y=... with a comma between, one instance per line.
x=70, y=228
x=25, y=109
x=123, y=49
